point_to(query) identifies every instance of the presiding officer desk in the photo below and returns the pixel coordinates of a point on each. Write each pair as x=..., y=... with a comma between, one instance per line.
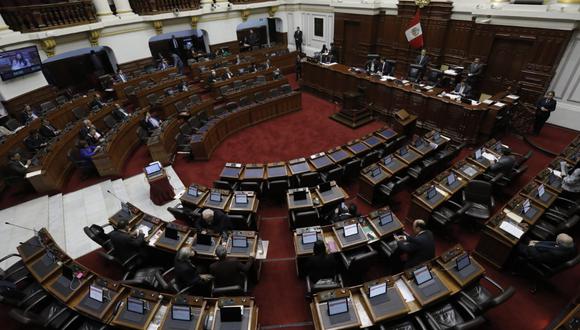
x=208, y=137
x=460, y=121
x=106, y=301
x=372, y=228
x=402, y=296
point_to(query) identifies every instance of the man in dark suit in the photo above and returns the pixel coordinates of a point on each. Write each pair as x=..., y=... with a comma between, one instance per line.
x=214, y=220
x=298, y=67
x=333, y=53
x=544, y=107
x=423, y=59
x=321, y=265
x=505, y=163
x=16, y=166
x=35, y=141
x=548, y=252
x=119, y=113
x=228, y=272
x=475, y=68
x=97, y=102
x=298, y=39
x=463, y=89
x=419, y=248
x=227, y=75
x=187, y=274
x=47, y=130
x=372, y=66
x=127, y=244
x=252, y=39
x=28, y=115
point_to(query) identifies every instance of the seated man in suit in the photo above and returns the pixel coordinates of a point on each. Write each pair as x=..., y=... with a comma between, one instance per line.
x=420, y=247
x=187, y=274
x=462, y=89
x=547, y=252
x=475, y=69
x=87, y=151
x=152, y=122
x=94, y=138
x=372, y=66
x=121, y=76
x=16, y=166
x=119, y=113
x=35, y=141
x=228, y=272
x=97, y=102
x=28, y=115
x=321, y=265
x=214, y=220
x=277, y=74
x=84, y=131
x=505, y=163
x=47, y=130
x=423, y=59
x=212, y=77
x=227, y=75
x=125, y=243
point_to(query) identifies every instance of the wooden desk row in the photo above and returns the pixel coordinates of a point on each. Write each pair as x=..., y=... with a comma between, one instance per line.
x=318, y=162
x=247, y=57
x=236, y=95
x=106, y=301
x=208, y=137
x=372, y=176
x=216, y=85
x=118, y=146
x=461, y=122
x=139, y=99
x=134, y=81
x=314, y=197
x=572, y=152
x=162, y=144
x=199, y=196
x=423, y=204
x=402, y=297
x=504, y=230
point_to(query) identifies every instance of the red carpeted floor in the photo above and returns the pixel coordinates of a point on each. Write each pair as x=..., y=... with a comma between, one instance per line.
x=280, y=295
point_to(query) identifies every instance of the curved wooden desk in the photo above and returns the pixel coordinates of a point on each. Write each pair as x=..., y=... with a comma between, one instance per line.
x=155, y=76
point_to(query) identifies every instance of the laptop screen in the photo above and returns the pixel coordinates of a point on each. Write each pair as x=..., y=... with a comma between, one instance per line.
x=436, y=136
x=135, y=305
x=403, y=151
x=181, y=313
x=337, y=306
x=526, y=206
x=387, y=160
x=171, y=233
x=231, y=313
x=462, y=261
x=431, y=192
x=478, y=154
x=422, y=275
x=451, y=179
x=350, y=230
x=325, y=186
x=309, y=237
x=541, y=190
x=385, y=219
x=376, y=172
x=240, y=241
x=215, y=196
x=96, y=293
x=299, y=195
x=192, y=191
x=377, y=290
x=204, y=239
x=153, y=168
x=241, y=199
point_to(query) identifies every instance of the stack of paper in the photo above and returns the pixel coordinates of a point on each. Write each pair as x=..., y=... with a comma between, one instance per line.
x=499, y=104
x=488, y=101
x=513, y=97
x=511, y=229
x=404, y=290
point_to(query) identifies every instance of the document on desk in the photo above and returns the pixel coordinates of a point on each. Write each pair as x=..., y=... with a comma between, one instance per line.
x=511, y=229
x=513, y=97
x=262, y=249
x=488, y=102
x=156, y=322
x=489, y=157
x=155, y=238
x=144, y=229
x=513, y=216
x=499, y=104
x=556, y=173
x=331, y=244
x=34, y=173
x=404, y=290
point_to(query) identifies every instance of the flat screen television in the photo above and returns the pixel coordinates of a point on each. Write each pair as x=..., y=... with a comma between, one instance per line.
x=19, y=62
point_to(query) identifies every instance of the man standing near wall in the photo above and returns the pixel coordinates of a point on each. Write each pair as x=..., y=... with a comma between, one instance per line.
x=298, y=39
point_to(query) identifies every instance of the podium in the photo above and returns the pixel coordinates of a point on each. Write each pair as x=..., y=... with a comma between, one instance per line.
x=160, y=189
x=352, y=113
x=404, y=123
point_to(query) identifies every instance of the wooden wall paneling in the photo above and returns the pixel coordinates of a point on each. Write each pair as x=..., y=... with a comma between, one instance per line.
x=458, y=43
x=34, y=98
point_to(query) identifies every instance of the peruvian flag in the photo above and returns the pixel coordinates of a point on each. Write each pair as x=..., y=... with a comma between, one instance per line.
x=414, y=33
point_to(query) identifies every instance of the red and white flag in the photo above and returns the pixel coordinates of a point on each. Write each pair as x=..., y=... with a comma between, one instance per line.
x=414, y=33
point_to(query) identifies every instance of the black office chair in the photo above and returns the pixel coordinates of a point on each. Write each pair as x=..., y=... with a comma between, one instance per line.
x=308, y=179
x=408, y=323
x=255, y=186
x=562, y=209
x=231, y=290
x=97, y=234
x=142, y=134
x=286, y=89
x=46, y=107
x=546, y=230
x=478, y=299
x=323, y=284
x=148, y=278
x=388, y=248
x=231, y=106
x=389, y=189
x=452, y=315
x=245, y=101
x=194, y=99
x=186, y=129
x=12, y=124
x=61, y=99
x=334, y=174
x=424, y=169
x=434, y=76
x=87, y=169
x=183, y=147
x=478, y=203
x=242, y=221
x=541, y=273
x=110, y=121
x=351, y=169
x=79, y=113
x=370, y=158
x=415, y=72
x=278, y=188
x=259, y=97
x=357, y=261
x=219, y=110
x=44, y=312
x=180, y=107
x=306, y=218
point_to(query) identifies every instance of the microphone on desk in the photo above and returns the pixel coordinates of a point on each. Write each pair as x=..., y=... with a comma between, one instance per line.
x=117, y=197
x=22, y=227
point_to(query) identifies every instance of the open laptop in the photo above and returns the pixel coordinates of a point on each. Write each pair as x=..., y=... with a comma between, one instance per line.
x=376, y=172
x=542, y=192
x=96, y=293
x=325, y=186
x=451, y=178
x=231, y=313
x=337, y=306
x=387, y=160
x=171, y=233
x=425, y=281
x=309, y=237
x=350, y=230
x=192, y=191
x=215, y=197
x=181, y=313
x=478, y=154
x=431, y=193
x=403, y=151
x=385, y=219
x=239, y=242
x=378, y=293
x=462, y=262
x=135, y=305
x=241, y=198
x=299, y=195
x=153, y=169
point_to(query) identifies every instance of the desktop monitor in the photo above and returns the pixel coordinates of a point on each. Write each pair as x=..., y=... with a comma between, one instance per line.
x=181, y=313
x=231, y=313
x=526, y=206
x=192, y=191
x=135, y=305
x=96, y=293
x=403, y=151
x=215, y=196
x=478, y=154
x=299, y=195
x=67, y=273
x=350, y=230
x=241, y=199
x=337, y=306
x=462, y=261
x=541, y=190
x=377, y=290
x=434, y=76
x=414, y=72
x=385, y=219
x=153, y=168
x=18, y=62
x=451, y=178
x=325, y=186
x=204, y=239
x=387, y=160
x=239, y=241
x=422, y=275
x=431, y=192
x=376, y=172
x=171, y=233
x=309, y=237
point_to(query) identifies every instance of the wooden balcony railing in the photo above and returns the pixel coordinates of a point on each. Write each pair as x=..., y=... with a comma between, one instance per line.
x=49, y=16
x=152, y=7
x=240, y=2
